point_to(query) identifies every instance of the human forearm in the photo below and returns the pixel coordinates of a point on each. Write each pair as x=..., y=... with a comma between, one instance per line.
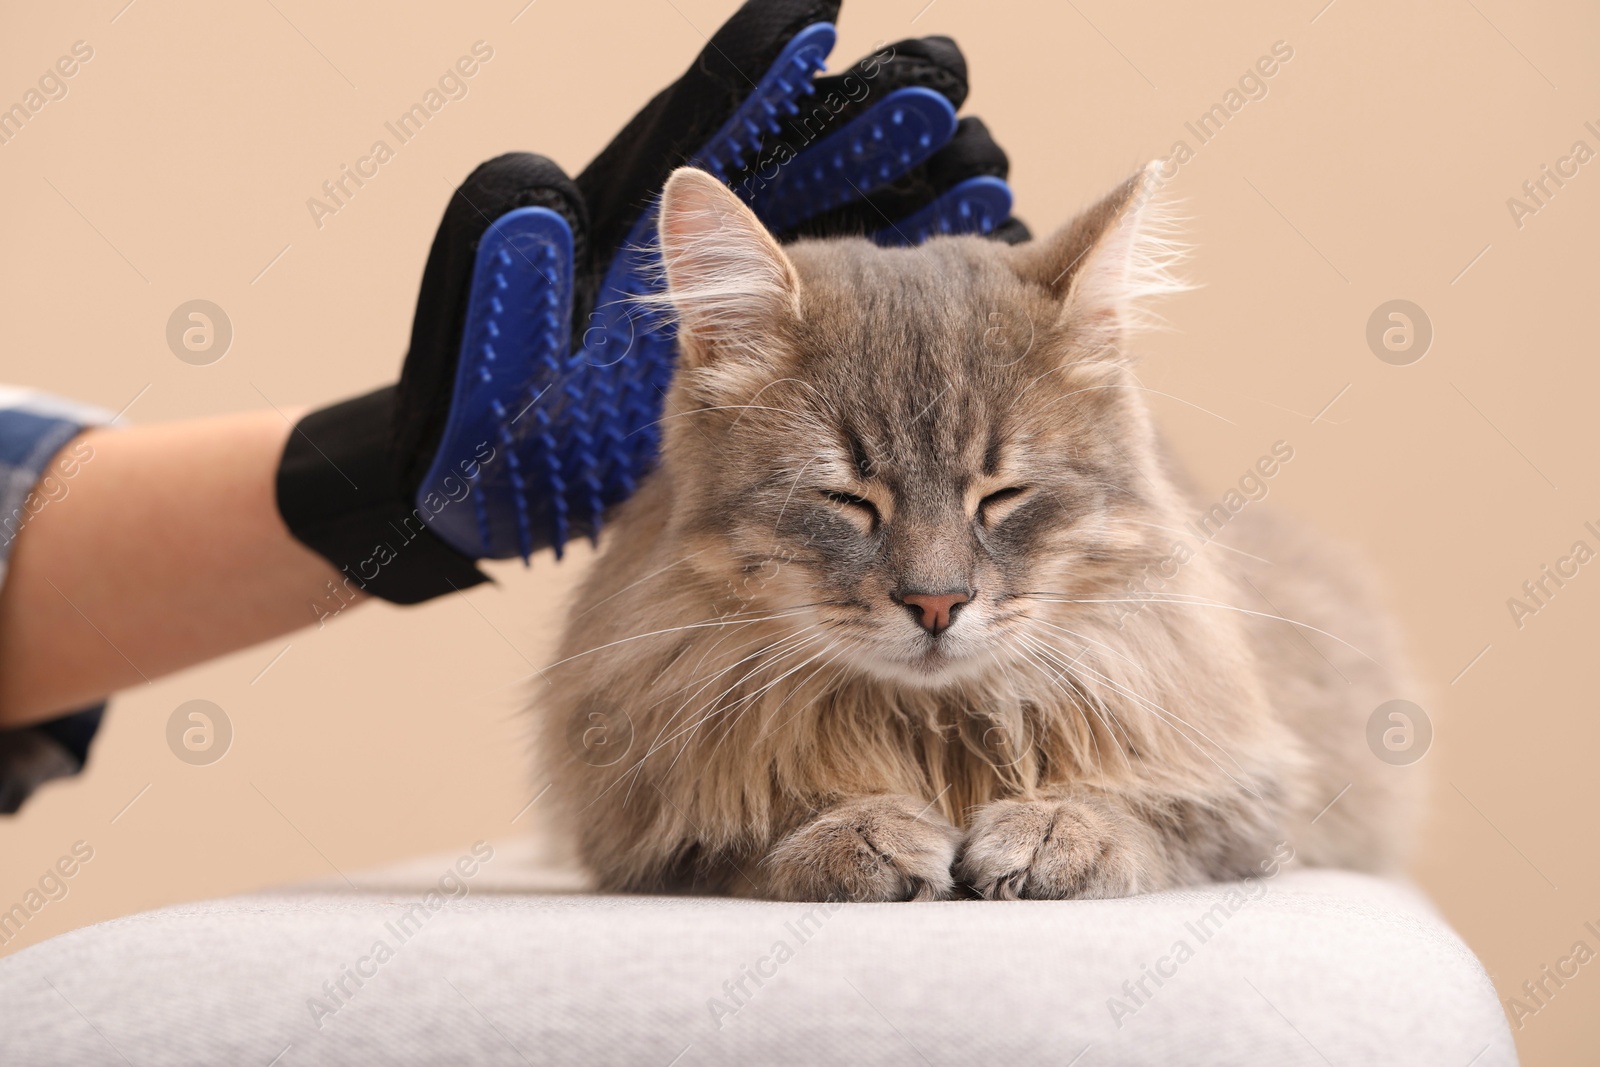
x=165, y=549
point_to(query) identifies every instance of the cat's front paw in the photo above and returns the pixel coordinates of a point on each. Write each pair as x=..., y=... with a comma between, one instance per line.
x=1055, y=850
x=868, y=848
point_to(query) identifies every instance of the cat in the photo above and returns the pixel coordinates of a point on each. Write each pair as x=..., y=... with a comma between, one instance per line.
x=881, y=624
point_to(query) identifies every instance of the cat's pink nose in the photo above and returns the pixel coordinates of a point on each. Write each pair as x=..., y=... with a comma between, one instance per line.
x=935, y=611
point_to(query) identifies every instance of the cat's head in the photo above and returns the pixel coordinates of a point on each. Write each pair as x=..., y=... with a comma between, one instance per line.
x=906, y=454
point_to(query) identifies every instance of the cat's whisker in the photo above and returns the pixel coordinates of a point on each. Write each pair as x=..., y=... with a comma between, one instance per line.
x=639, y=582
x=744, y=705
x=716, y=709
x=731, y=620
x=1135, y=664
x=1212, y=541
x=1191, y=600
x=801, y=473
x=827, y=651
x=754, y=661
x=1101, y=710
x=1179, y=725
x=851, y=644
x=710, y=649
x=826, y=403
x=768, y=650
x=636, y=768
x=706, y=654
x=710, y=709
x=1143, y=389
x=1161, y=717
x=764, y=640
x=737, y=407
x=1055, y=679
x=662, y=739
x=1076, y=663
x=1026, y=389
x=1097, y=703
x=754, y=695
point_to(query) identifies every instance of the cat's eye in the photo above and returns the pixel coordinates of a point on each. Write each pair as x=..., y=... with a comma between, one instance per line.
x=859, y=504
x=1000, y=503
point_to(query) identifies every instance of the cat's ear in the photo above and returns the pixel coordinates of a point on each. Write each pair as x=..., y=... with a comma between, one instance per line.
x=1106, y=263
x=728, y=280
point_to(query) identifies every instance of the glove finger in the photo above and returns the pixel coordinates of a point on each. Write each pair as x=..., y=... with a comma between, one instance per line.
x=427, y=381
x=899, y=133
x=971, y=153
x=929, y=62
x=630, y=170
x=1013, y=231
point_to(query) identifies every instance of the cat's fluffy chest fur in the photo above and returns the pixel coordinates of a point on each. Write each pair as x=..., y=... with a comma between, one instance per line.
x=756, y=694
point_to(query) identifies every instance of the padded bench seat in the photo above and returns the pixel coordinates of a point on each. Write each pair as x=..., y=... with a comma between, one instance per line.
x=1309, y=967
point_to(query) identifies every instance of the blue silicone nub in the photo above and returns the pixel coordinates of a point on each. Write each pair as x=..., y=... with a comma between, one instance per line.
x=976, y=205
x=891, y=137
x=485, y=492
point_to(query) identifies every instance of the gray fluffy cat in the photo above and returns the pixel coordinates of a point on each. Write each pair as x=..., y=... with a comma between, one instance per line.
x=898, y=616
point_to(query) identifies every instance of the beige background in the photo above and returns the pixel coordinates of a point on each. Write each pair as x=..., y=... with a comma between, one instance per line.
x=1377, y=167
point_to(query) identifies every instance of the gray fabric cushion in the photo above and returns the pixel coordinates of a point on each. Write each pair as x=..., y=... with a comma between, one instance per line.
x=1311, y=967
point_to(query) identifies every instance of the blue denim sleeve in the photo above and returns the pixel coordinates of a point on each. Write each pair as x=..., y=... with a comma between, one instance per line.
x=34, y=475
